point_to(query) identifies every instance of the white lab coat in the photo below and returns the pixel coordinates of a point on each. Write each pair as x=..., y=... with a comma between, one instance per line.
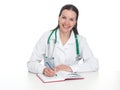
x=62, y=54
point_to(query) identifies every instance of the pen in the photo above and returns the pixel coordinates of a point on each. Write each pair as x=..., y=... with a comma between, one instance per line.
x=50, y=66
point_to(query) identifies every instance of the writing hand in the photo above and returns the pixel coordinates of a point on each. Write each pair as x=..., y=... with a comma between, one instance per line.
x=48, y=72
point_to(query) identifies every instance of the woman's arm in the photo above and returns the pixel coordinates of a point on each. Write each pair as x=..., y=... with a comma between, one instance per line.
x=90, y=63
x=34, y=64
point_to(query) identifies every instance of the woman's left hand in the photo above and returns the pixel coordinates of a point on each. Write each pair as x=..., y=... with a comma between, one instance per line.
x=63, y=67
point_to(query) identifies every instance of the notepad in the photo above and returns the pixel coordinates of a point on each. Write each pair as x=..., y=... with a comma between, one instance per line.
x=60, y=76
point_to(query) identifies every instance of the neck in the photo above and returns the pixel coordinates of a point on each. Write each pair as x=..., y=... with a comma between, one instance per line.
x=64, y=37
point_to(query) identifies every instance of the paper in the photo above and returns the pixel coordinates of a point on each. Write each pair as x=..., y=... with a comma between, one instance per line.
x=60, y=76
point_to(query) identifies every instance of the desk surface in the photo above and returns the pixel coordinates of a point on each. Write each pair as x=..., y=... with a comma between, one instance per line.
x=92, y=81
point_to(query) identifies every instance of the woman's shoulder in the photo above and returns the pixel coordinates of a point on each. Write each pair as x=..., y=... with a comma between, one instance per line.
x=81, y=38
x=46, y=34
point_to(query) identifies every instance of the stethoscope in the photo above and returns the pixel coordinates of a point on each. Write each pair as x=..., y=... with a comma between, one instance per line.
x=78, y=57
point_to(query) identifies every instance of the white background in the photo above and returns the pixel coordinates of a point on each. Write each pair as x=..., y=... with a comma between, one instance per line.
x=22, y=22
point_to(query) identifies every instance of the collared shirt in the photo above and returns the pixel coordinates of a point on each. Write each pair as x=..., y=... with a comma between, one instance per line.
x=63, y=54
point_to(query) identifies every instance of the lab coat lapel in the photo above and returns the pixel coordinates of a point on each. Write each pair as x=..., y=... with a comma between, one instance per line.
x=71, y=41
x=59, y=43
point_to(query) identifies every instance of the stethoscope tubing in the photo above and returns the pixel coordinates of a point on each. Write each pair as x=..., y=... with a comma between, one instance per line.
x=76, y=41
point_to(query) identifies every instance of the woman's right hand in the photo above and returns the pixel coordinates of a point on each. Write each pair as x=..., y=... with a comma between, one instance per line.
x=48, y=72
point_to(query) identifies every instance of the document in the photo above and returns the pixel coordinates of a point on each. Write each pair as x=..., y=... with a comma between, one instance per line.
x=60, y=76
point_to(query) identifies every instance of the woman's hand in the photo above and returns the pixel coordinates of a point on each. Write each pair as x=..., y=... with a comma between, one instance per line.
x=48, y=72
x=63, y=67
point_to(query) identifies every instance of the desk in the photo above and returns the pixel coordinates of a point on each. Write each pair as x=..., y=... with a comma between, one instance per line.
x=92, y=81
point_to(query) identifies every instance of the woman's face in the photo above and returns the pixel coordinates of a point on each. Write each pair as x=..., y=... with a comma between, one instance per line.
x=67, y=20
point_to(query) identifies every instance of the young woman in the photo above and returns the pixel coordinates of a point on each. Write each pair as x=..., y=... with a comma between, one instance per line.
x=63, y=48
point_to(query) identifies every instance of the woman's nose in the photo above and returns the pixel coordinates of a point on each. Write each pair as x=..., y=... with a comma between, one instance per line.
x=66, y=22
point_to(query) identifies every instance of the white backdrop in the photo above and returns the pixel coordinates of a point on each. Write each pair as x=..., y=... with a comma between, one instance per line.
x=22, y=22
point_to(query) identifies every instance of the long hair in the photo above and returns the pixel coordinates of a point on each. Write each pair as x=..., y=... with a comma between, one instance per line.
x=73, y=8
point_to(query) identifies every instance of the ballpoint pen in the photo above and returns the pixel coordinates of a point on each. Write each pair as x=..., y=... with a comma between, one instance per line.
x=50, y=66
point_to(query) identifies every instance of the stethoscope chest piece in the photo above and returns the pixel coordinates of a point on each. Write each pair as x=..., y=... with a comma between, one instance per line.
x=78, y=57
x=49, y=62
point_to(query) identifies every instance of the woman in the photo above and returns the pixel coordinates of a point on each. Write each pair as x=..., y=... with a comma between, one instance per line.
x=64, y=47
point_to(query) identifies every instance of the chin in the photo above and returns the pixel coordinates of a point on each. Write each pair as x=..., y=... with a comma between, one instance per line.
x=66, y=30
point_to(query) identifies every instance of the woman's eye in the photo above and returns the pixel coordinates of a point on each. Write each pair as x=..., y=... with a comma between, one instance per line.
x=71, y=19
x=63, y=17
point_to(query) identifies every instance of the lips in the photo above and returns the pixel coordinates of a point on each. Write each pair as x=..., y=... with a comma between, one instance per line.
x=66, y=26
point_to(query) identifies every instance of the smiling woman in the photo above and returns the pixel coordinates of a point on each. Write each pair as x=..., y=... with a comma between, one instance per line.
x=63, y=48
x=67, y=21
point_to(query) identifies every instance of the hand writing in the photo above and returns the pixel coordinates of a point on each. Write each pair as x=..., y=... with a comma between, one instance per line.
x=48, y=72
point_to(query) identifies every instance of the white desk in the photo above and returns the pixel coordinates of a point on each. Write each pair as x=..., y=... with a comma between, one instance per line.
x=92, y=81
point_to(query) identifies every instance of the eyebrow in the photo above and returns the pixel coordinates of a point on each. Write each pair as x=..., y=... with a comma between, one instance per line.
x=70, y=18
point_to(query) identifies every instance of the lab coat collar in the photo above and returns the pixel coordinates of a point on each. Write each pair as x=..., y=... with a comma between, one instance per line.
x=71, y=39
